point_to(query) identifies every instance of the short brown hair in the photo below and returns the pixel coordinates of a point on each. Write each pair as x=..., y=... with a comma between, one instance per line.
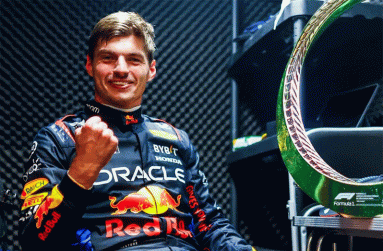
x=123, y=24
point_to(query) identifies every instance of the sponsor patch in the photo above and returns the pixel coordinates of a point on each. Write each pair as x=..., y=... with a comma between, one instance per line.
x=163, y=134
x=28, y=213
x=49, y=225
x=51, y=202
x=35, y=167
x=119, y=227
x=165, y=149
x=155, y=173
x=150, y=199
x=170, y=160
x=197, y=211
x=33, y=200
x=33, y=186
x=33, y=149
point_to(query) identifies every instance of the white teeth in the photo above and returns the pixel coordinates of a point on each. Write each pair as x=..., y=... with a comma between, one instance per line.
x=120, y=83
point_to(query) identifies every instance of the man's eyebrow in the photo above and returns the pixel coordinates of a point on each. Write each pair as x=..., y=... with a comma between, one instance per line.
x=106, y=51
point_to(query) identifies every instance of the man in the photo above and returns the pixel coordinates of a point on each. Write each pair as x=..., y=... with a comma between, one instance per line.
x=111, y=178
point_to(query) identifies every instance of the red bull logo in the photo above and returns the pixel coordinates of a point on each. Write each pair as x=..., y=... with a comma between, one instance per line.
x=166, y=200
x=134, y=202
x=117, y=227
x=51, y=202
x=150, y=200
x=130, y=120
x=49, y=225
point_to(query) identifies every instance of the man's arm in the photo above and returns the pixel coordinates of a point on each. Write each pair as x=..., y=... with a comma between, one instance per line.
x=53, y=201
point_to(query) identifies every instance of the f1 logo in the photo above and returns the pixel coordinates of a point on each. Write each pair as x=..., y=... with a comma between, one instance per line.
x=347, y=196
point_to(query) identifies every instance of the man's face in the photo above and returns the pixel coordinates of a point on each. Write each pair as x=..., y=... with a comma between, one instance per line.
x=120, y=70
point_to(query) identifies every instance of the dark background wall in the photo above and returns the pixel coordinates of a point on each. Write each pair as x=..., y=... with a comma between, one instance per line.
x=42, y=76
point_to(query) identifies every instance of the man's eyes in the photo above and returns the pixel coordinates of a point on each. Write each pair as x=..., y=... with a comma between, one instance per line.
x=136, y=60
x=106, y=57
x=111, y=58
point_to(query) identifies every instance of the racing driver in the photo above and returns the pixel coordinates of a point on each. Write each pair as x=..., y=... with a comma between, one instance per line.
x=111, y=178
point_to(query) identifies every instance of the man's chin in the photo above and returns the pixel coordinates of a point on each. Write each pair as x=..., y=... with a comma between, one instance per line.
x=122, y=102
x=118, y=100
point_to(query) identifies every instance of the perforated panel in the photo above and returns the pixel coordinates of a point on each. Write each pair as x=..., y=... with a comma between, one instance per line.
x=42, y=50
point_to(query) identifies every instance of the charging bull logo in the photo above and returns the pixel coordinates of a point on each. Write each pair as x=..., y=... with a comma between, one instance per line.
x=150, y=199
x=51, y=202
x=129, y=119
x=134, y=201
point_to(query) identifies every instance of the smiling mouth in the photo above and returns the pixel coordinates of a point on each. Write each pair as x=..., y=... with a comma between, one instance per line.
x=120, y=83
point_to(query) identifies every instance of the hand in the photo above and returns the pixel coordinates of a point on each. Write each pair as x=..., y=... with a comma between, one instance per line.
x=95, y=146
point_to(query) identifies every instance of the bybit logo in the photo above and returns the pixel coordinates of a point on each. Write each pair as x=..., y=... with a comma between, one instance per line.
x=165, y=149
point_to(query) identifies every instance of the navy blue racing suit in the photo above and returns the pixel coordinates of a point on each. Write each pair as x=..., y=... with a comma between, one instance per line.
x=150, y=196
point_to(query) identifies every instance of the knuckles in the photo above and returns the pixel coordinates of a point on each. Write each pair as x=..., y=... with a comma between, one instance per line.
x=95, y=129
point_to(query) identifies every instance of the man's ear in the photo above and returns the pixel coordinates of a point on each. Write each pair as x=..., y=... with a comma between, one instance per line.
x=152, y=70
x=89, y=66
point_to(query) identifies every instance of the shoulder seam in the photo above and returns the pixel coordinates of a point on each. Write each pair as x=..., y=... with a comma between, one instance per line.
x=66, y=129
x=172, y=126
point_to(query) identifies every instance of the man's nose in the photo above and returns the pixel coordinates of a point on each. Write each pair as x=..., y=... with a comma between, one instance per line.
x=122, y=67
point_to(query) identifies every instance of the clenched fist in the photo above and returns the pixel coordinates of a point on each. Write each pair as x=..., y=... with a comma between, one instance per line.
x=95, y=146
